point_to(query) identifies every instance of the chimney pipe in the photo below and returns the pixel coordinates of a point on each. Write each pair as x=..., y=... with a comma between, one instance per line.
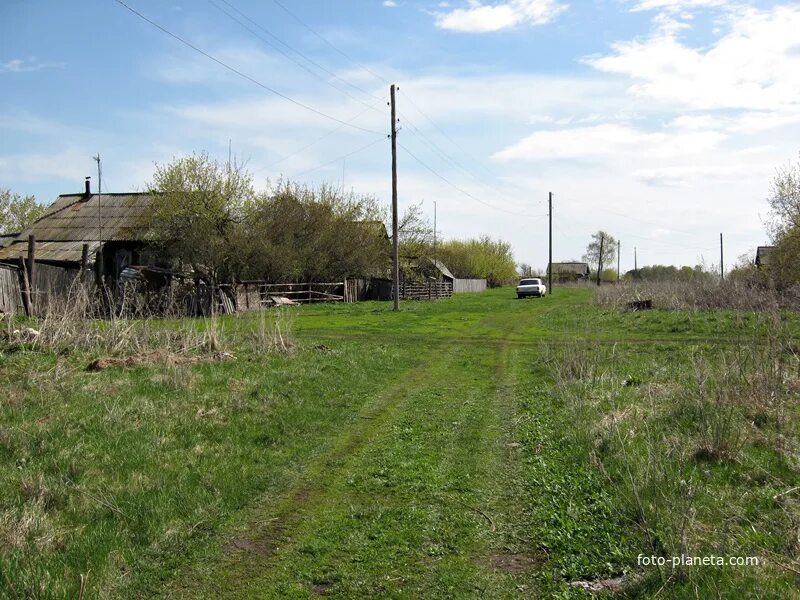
x=87, y=188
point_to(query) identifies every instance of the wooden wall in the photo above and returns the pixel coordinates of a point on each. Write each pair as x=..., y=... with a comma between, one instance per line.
x=10, y=293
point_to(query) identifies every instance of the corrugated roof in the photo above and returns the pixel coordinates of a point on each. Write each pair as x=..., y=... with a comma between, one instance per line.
x=73, y=220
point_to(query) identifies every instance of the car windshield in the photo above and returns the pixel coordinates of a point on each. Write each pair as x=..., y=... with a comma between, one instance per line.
x=531, y=282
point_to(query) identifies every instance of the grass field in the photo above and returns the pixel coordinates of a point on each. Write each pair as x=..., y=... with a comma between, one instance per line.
x=480, y=446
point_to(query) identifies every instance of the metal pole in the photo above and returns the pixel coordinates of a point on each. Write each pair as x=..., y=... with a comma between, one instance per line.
x=619, y=246
x=434, y=234
x=550, y=244
x=395, y=251
x=721, y=260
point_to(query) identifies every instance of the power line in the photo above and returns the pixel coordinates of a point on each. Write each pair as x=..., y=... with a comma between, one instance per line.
x=241, y=74
x=286, y=54
x=324, y=39
x=461, y=190
x=452, y=141
x=416, y=131
x=335, y=160
x=317, y=140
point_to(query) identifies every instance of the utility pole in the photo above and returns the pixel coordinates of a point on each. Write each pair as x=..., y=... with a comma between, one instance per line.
x=619, y=247
x=395, y=251
x=550, y=245
x=635, y=262
x=600, y=258
x=721, y=261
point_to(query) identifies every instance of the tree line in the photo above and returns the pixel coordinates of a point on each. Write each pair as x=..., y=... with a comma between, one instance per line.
x=209, y=217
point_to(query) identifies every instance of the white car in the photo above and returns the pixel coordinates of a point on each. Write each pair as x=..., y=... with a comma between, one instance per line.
x=531, y=287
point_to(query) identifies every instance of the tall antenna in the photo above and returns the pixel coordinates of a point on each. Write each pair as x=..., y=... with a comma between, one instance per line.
x=434, y=234
x=99, y=197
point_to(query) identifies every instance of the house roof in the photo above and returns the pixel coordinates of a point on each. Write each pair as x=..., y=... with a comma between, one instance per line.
x=74, y=220
x=7, y=238
x=570, y=267
x=763, y=254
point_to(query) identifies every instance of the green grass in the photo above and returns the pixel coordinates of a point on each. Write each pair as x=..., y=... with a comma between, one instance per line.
x=461, y=448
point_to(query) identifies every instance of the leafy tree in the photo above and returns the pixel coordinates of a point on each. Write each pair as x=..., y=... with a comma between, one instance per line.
x=784, y=225
x=482, y=258
x=662, y=273
x=601, y=251
x=198, y=213
x=300, y=234
x=17, y=212
x=784, y=201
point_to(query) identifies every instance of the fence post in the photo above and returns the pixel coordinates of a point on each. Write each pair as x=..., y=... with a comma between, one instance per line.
x=84, y=261
x=26, y=287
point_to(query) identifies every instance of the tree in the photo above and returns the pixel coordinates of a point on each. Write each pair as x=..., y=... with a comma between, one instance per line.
x=482, y=258
x=198, y=213
x=784, y=225
x=784, y=201
x=300, y=234
x=17, y=212
x=601, y=251
x=525, y=270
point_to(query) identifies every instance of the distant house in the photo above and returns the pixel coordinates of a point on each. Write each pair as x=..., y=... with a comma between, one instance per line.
x=764, y=256
x=565, y=272
x=114, y=224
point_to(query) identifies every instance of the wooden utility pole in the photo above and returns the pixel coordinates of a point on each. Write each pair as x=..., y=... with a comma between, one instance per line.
x=395, y=248
x=721, y=260
x=550, y=245
x=619, y=247
x=84, y=261
x=600, y=258
x=32, y=259
x=635, y=262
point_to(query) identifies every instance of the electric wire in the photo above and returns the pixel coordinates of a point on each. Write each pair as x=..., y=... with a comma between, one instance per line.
x=459, y=189
x=240, y=73
x=335, y=160
x=329, y=43
x=316, y=141
x=287, y=55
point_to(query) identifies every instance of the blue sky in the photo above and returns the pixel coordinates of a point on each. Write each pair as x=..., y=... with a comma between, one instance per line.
x=660, y=121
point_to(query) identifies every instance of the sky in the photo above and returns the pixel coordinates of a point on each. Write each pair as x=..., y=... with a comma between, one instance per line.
x=661, y=122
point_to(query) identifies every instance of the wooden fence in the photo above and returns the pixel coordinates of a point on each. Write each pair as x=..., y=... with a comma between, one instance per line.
x=462, y=286
x=427, y=290
x=10, y=293
x=254, y=295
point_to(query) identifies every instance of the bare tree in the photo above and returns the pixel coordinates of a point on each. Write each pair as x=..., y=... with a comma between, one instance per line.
x=601, y=251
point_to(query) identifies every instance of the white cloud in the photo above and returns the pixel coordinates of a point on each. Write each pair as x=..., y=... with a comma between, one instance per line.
x=21, y=65
x=755, y=66
x=609, y=140
x=390, y=3
x=483, y=18
x=677, y=5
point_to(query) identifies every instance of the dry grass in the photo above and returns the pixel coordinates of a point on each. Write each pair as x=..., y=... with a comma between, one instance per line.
x=80, y=322
x=700, y=294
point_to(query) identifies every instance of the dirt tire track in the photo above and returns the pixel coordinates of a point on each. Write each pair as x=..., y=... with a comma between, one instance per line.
x=272, y=529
